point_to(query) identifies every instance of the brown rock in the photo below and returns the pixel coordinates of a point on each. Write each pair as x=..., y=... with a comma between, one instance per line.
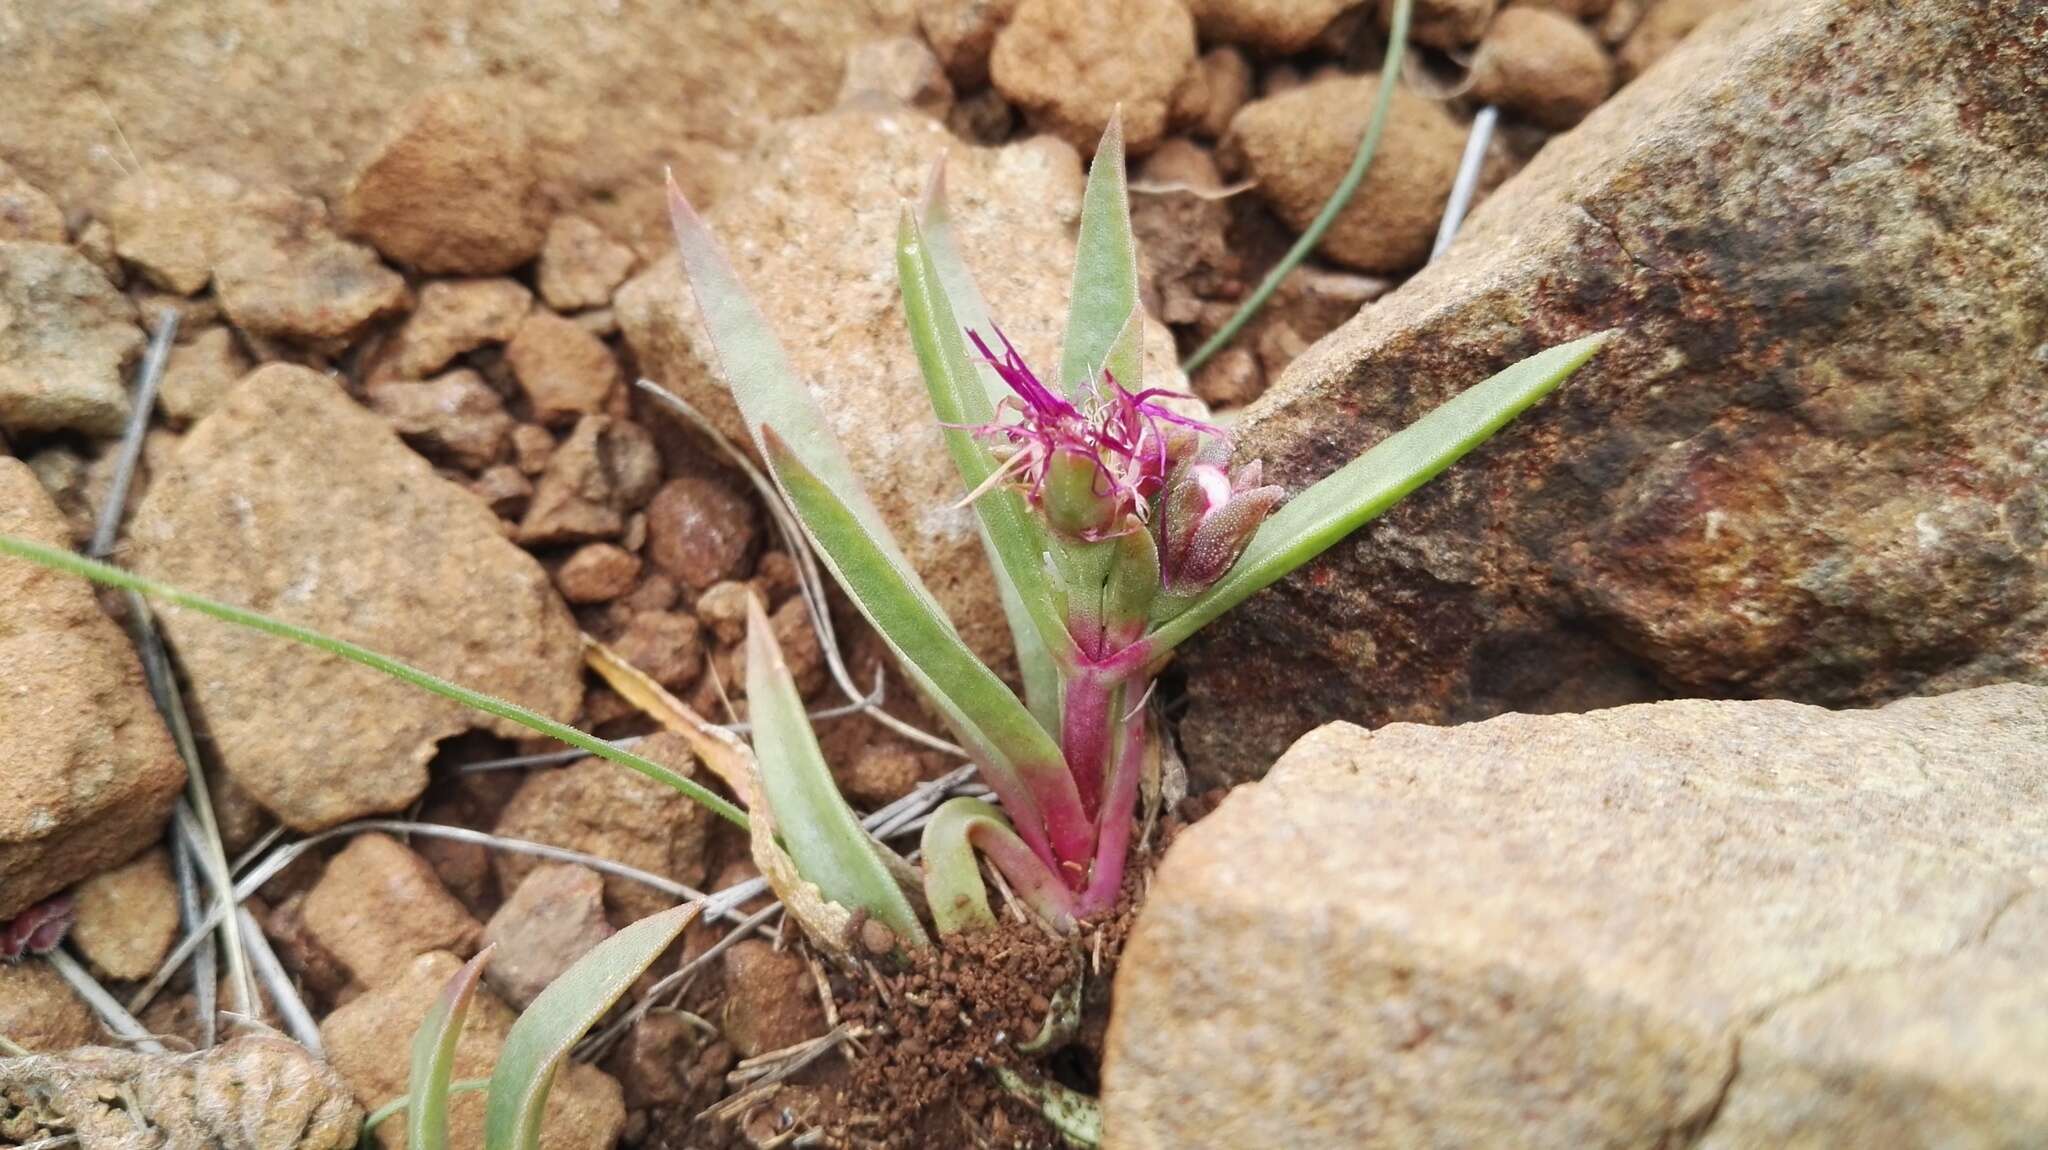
x=1542, y=64
x=87, y=771
x=66, y=339
x=831, y=270
x=1232, y=378
x=666, y=645
x=606, y=468
x=881, y=772
x=1753, y=490
x=258, y=1090
x=1298, y=144
x=128, y=917
x=565, y=371
x=26, y=213
x=1070, y=63
x=167, y=221
x=1446, y=24
x=962, y=33
x=699, y=531
x=1578, y=9
x=453, y=317
x=553, y=919
x=606, y=100
x=1728, y=924
x=282, y=273
x=585, y=1109
x=983, y=118
x=597, y=573
x=1276, y=26
x=900, y=69
x=1661, y=28
x=580, y=265
x=96, y=243
x=292, y=499
x=1227, y=79
x=612, y=812
x=532, y=448
x=453, y=188
x=504, y=490
x=653, y=1060
x=455, y=418
x=771, y=1001
x=378, y=906
x=38, y=1010
x=723, y=608
x=1182, y=226
x=200, y=371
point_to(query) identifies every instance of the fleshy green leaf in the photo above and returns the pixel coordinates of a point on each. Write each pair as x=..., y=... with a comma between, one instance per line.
x=1036, y=662
x=433, y=1058
x=1105, y=296
x=571, y=1005
x=1312, y=521
x=1018, y=756
x=1012, y=534
x=767, y=388
x=953, y=889
x=404, y=672
x=832, y=850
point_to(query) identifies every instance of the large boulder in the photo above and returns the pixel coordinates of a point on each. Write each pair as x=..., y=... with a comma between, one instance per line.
x=815, y=242
x=1810, y=466
x=292, y=499
x=608, y=95
x=87, y=770
x=1714, y=924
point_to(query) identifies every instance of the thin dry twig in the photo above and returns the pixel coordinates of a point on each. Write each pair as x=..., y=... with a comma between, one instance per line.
x=117, y=1020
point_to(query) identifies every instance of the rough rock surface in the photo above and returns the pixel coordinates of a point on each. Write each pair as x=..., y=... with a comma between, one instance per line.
x=1446, y=24
x=128, y=917
x=771, y=999
x=26, y=213
x=281, y=272
x=565, y=371
x=1686, y=923
x=201, y=369
x=247, y=513
x=1809, y=467
x=610, y=94
x=255, y=1092
x=1298, y=144
x=452, y=188
x=553, y=919
x=1069, y=64
x=166, y=221
x=453, y=316
x=1542, y=64
x=378, y=906
x=580, y=265
x=605, y=469
x=87, y=770
x=815, y=244
x=1662, y=27
x=962, y=33
x=66, y=337
x=610, y=811
x=1268, y=25
x=38, y=1010
x=365, y=1042
x=454, y=418
x=900, y=69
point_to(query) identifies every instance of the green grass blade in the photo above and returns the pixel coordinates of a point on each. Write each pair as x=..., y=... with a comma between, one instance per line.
x=767, y=388
x=823, y=835
x=1312, y=521
x=433, y=1058
x=1036, y=662
x=1105, y=295
x=571, y=1005
x=405, y=672
x=1017, y=754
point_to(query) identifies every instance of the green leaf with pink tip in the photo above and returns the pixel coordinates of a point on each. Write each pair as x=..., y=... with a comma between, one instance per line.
x=1105, y=291
x=1017, y=755
x=1309, y=523
x=818, y=829
x=767, y=388
x=433, y=1058
x=1016, y=541
x=539, y=1041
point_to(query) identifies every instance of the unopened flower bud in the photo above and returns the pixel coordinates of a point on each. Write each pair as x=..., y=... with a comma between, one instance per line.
x=1078, y=501
x=1209, y=518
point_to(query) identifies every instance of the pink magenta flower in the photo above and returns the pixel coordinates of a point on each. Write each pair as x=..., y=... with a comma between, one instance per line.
x=1094, y=471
